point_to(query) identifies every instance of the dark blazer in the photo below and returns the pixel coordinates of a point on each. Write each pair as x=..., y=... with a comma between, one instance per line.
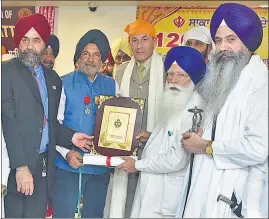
x=22, y=117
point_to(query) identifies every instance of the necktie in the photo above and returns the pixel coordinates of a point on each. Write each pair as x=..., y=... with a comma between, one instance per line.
x=34, y=77
x=140, y=72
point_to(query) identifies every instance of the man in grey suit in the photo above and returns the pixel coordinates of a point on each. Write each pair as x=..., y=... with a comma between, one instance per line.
x=142, y=77
x=30, y=101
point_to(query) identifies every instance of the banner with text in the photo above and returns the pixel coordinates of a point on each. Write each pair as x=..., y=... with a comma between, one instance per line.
x=10, y=16
x=172, y=22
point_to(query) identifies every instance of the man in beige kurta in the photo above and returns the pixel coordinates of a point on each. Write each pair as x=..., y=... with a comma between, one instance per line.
x=142, y=77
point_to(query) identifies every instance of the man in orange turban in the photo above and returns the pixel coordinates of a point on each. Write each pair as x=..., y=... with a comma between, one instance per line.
x=141, y=77
x=140, y=27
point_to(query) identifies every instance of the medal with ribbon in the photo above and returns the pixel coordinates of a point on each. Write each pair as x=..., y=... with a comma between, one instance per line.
x=87, y=102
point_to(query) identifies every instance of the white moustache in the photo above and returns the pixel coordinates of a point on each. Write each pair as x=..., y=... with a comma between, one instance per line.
x=175, y=87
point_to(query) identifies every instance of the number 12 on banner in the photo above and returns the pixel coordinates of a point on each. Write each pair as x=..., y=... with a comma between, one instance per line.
x=173, y=39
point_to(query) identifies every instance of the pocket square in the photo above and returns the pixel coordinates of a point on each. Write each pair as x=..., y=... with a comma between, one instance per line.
x=54, y=87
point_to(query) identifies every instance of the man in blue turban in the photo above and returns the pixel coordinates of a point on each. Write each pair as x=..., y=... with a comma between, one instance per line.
x=163, y=163
x=231, y=149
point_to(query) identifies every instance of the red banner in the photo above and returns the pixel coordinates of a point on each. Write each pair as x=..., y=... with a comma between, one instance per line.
x=49, y=13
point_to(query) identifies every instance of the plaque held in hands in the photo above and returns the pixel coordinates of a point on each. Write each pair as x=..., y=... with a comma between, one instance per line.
x=118, y=121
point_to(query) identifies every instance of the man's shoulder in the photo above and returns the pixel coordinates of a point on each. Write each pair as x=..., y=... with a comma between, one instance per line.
x=260, y=78
x=106, y=77
x=122, y=66
x=120, y=71
x=8, y=64
x=68, y=77
x=53, y=74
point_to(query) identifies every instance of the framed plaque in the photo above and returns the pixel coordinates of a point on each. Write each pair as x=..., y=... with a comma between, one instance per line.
x=118, y=121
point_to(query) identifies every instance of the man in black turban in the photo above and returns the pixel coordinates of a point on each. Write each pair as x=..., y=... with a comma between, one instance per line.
x=78, y=108
x=52, y=51
x=93, y=37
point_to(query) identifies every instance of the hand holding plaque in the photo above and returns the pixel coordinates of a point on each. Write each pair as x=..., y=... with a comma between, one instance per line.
x=118, y=121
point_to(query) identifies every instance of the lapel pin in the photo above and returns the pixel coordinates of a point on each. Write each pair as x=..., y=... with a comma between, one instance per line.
x=54, y=87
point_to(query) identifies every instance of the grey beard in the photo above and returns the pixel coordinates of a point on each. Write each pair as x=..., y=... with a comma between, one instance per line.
x=219, y=81
x=31, y=60
x=90, y=69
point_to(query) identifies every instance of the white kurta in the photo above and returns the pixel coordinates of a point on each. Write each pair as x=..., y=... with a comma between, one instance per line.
x=5, y=168
x=241, y=144
x=264, y=199
x=162, y=167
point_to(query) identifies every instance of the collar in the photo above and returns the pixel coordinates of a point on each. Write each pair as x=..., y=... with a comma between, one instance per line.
x=146, y=64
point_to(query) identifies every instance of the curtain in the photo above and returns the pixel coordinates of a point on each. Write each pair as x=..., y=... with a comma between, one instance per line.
x=49, y=13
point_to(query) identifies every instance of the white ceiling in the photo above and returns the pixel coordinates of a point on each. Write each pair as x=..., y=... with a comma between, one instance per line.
x=129, y=3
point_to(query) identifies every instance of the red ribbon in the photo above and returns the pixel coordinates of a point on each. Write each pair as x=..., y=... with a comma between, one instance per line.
x=108, y=159
x=87, y=100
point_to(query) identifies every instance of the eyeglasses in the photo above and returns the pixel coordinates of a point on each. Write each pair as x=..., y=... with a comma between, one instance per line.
x=86, y=55
x=179, y=76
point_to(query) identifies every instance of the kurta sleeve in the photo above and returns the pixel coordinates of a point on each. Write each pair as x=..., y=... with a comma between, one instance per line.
x=173, y=160
x=117, y=88
x=252, y=149
x=254, y=190
x=5, y=162
x=63, y=151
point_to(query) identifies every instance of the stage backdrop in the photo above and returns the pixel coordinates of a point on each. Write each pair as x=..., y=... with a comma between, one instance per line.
x=172, y=22
x=11, y=15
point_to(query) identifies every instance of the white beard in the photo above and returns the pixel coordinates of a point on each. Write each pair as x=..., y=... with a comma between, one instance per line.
x=220, y=80
x=174, y=101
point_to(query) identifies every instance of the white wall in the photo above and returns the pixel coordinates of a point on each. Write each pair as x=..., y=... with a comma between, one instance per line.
x=75, y=21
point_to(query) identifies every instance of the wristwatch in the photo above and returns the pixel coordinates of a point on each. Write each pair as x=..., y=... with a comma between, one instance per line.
x=4, y=190
x=209, y=149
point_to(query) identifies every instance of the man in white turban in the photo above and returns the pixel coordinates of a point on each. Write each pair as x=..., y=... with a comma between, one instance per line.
x=199, y=38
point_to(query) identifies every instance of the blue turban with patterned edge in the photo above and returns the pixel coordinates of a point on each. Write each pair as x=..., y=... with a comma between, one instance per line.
x=189, y=59
x=240, y=19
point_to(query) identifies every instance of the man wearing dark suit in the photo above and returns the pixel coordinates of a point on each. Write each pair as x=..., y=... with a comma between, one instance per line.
x=30, y=101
